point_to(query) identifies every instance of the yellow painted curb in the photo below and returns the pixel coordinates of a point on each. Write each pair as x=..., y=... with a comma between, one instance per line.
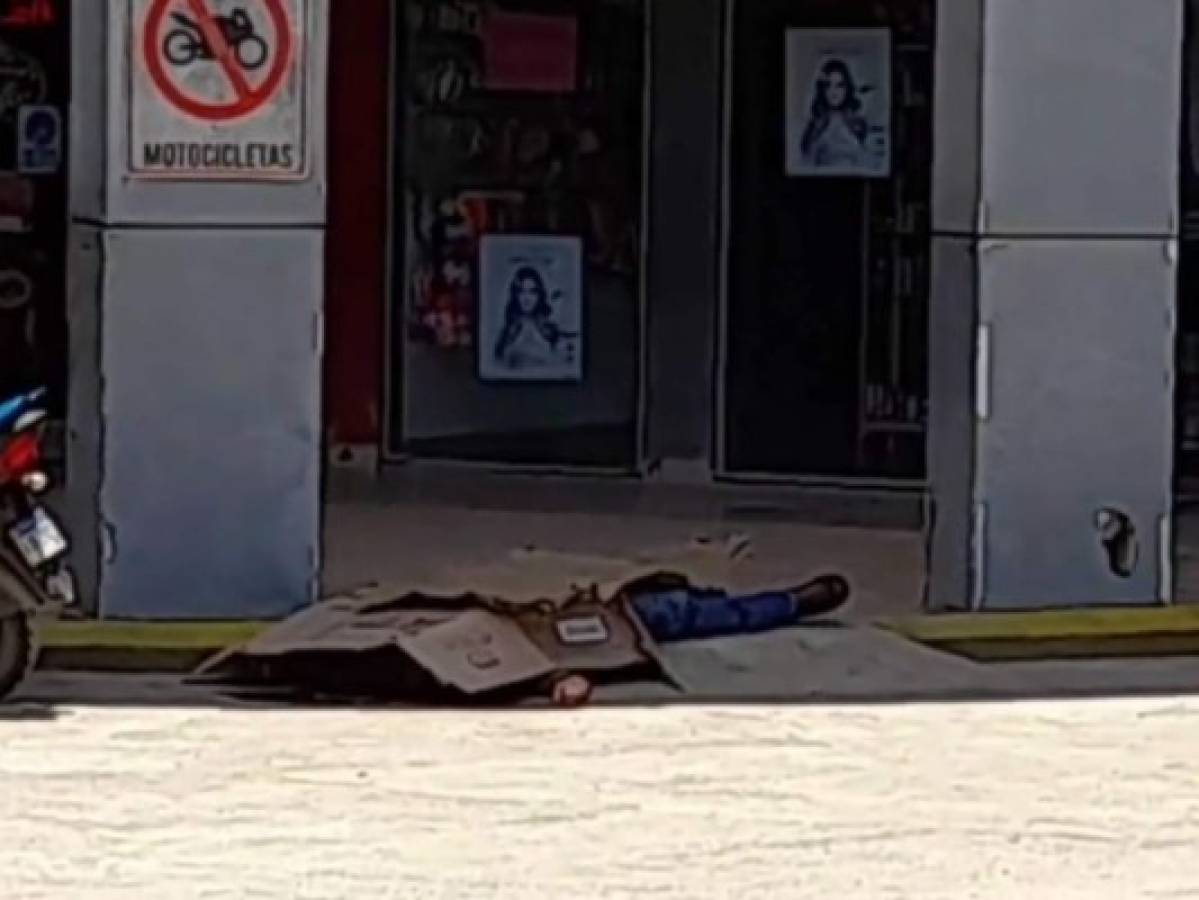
x=1049, y=624
x=137, y=636
x=1049, y=634
x=163, y=647
x=1057, y=634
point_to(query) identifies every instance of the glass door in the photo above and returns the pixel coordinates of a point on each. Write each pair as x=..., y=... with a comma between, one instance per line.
x=516, y=328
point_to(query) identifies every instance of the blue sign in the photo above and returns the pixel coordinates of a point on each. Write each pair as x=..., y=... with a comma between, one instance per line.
x=39, y=140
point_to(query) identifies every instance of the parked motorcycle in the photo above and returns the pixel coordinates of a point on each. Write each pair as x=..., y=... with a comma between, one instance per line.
x=34, y=578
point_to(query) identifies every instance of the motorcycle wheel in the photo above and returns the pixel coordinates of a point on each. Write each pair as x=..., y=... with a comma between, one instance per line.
x=251, y=53
x=179, y=48
x=18, y=650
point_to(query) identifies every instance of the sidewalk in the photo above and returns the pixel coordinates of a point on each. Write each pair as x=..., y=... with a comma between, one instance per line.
x=531, y=538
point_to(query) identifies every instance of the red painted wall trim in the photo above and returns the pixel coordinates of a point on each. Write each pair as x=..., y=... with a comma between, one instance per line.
x=356, y=242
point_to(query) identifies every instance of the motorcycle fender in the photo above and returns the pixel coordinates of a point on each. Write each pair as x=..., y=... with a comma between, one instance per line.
x=15, y=595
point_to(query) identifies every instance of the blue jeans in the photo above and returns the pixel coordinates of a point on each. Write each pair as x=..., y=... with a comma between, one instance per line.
x=687, y=615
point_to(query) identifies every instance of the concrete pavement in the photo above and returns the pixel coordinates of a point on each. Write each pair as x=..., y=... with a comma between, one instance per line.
x=1061, y=800
x=540, y=552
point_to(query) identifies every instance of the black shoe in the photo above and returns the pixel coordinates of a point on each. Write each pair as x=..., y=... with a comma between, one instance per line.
x=820, y=596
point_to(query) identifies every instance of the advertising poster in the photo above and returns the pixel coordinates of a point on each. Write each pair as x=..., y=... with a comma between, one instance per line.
x=838, y=121
x=530, y=308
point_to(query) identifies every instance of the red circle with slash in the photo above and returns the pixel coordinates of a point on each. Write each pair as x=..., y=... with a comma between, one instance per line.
x=249, y=98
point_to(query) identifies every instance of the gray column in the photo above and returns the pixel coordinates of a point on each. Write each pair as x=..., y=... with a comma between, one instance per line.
x=1055, y=206
x=195, y=298
x=684, y=211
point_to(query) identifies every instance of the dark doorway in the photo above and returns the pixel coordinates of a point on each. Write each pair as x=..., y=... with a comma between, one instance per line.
x=35, y=54
x=1187, y=393
x=826, y=316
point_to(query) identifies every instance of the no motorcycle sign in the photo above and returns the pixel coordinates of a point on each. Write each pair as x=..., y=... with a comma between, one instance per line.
x=217, y=89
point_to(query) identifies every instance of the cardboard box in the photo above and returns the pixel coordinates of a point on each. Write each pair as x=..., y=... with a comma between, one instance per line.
x=420, y=647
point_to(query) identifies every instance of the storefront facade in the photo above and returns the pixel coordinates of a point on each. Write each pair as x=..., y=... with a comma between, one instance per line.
x=758, y=240
x=718, y=333
x=839, y=326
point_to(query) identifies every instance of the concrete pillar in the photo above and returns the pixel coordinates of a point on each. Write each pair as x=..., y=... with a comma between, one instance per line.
x=684, y=212
x=198, y=211
x=1056, y=215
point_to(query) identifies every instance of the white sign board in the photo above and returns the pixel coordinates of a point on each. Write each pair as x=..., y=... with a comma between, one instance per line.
x=838, y=102
x=217, y=89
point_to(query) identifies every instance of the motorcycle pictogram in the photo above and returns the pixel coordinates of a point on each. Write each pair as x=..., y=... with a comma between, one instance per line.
x=187, y=43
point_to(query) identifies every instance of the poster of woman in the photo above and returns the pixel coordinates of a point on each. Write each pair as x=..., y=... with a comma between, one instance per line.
x=838, y=121
x=530, y=308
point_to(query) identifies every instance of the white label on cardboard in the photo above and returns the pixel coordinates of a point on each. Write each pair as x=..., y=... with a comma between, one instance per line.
x=582, y=630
